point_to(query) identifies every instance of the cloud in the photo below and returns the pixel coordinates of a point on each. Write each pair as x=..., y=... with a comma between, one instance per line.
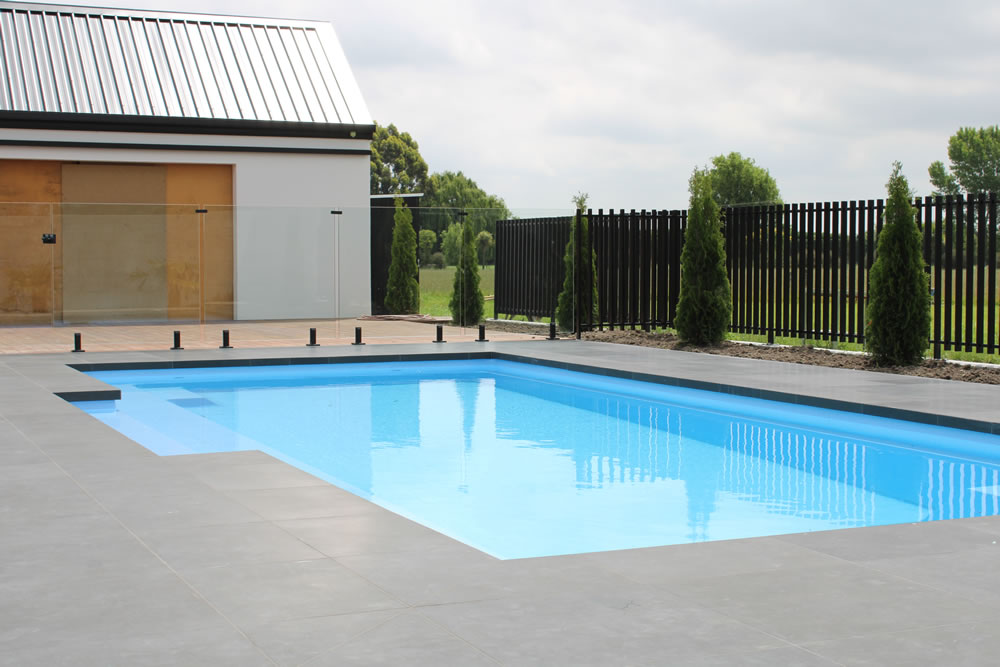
x=537, y=100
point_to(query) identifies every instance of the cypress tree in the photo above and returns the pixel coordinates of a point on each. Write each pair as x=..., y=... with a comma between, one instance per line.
x=706, y=304
x=898, y=310
x=403, y=291
x=466, y=303
x=565, y=302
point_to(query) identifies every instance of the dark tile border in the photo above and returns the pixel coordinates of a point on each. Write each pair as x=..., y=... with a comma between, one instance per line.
x=377, y=356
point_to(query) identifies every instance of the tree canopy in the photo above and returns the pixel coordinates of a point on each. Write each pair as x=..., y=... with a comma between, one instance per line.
x=975, y=163
x=739, y=180
x=453, y=191
x=396, y=164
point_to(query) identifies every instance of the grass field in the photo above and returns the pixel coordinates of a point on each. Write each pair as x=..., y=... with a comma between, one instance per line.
x=436, y=286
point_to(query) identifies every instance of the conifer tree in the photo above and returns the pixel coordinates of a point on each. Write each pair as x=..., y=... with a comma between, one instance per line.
x=402, y=290
x=466, y=303
x=706, y=304
x=898, y=310
x=566, y=300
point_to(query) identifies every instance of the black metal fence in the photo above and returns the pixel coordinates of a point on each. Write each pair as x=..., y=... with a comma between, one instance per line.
x=796, y=270
x=529, y=265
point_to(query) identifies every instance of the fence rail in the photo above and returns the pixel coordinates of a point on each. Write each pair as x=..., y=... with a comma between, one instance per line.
x=795, y=270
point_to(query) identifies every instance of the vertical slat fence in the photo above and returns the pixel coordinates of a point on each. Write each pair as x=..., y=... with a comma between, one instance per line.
x=799, y=271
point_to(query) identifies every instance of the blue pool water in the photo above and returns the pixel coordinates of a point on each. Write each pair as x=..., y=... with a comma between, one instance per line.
x=520, y=460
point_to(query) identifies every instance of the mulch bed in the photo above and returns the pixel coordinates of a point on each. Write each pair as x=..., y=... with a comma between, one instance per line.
x=932, y=368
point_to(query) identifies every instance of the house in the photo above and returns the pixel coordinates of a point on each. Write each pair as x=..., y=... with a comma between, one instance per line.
x=182, y=167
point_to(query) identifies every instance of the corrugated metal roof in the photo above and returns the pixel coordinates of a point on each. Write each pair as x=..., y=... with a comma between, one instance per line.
x=85, y=60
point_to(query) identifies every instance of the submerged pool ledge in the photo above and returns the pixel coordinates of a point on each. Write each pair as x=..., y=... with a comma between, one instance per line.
x=968, y=406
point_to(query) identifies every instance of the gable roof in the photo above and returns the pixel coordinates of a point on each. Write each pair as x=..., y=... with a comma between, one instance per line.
x=150, y=69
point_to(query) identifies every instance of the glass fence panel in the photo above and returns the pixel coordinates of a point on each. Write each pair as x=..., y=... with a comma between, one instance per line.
x=189, y=264
x=129, y=262
x=218, y=263
x=27, y=262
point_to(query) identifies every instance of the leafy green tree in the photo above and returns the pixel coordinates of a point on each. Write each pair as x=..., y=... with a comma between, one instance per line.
x=899, y=298
x=454, y=191
x=943, y=181
x=975, y=162
x=402, y=291
x=466, y=303
x=426, y=240
x=705, y=307
x=739, y=180
x=396, y=164
x=451, y=243
x=566, y=302
x=484, y=244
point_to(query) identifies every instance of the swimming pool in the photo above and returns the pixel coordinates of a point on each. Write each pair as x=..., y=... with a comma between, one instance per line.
x=521, y=460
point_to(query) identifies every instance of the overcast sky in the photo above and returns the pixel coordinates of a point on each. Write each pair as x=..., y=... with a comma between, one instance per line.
x=537, y=100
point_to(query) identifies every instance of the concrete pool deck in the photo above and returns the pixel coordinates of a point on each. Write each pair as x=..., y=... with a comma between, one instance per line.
x=112, y=555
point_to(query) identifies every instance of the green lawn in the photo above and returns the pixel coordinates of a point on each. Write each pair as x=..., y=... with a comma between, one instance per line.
x=436, y=286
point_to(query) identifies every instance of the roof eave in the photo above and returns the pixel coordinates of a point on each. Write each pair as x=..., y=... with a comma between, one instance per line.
x=47, y=120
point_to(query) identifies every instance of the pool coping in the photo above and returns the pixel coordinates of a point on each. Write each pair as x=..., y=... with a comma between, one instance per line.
x=820, y=391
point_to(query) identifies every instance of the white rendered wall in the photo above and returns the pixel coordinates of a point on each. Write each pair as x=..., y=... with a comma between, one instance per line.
x=294, y=259
x=291, y=260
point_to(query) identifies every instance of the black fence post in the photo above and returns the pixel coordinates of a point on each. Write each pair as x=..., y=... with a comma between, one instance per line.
x=577, y=252
x=440, y=335
x=312, y=338
x=225, y=340
x=177, y=341
x=78, y=343
x=357, y=336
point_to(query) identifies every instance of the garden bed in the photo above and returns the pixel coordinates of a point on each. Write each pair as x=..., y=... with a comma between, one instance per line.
x=796, y=354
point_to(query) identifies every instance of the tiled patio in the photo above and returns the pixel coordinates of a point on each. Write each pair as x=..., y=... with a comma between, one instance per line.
x=121, y=337
x=111, y=555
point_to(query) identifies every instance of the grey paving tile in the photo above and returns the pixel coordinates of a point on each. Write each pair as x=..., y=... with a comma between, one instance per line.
x=816, y=604
x=103, y=445
x=57, y=496
x=40, y=579
x=791, y=656
x=191, y=508
x=370, y=533
x=19, y=532
x=299, y=640
x=573, y=629
x=208, y=462
x=16, y=450
x=684, y=562
x=967, y=644
x=970, y=573
x=269, y=475
x=304, y=502
x=29, y=473
x=257, y=594
x=878, y=542
x=406, y=639
x=188, y=548
x=145, y=620
x=127, y=474
x=988, y=524
x=460, y=573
